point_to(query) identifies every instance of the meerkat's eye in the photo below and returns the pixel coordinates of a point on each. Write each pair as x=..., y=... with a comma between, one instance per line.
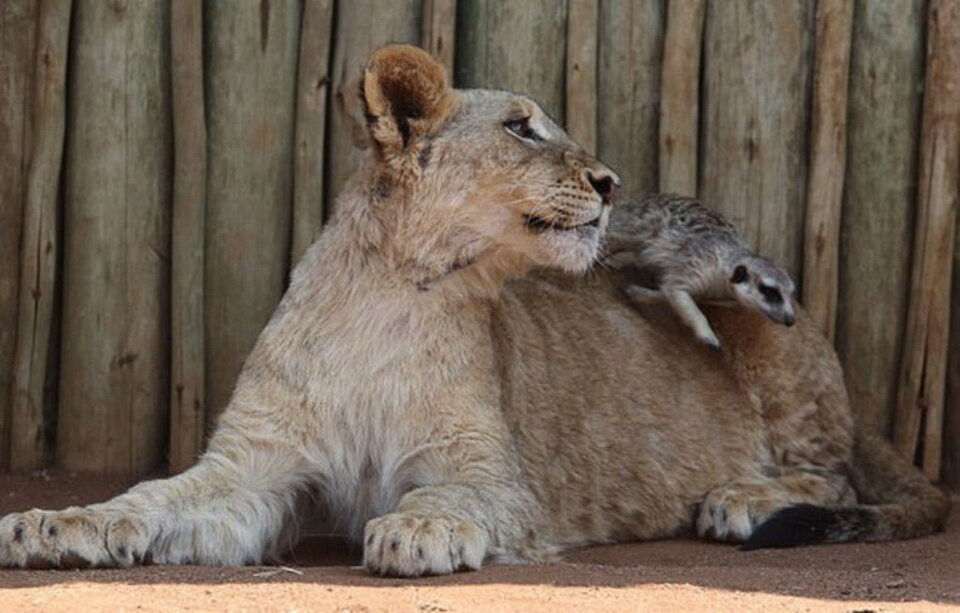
x=770, y=294
x=521, y=128
x=739, y=274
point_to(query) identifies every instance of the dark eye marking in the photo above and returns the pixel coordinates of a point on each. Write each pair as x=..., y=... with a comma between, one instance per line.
x=739, y=274
x=770, y=294
x=521, y=127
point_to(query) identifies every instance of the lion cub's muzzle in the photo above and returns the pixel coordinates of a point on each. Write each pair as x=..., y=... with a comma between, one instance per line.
x=578, y=200
x=539, y=224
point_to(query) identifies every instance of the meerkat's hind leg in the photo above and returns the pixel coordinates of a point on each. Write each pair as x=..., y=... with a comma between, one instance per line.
x=644, y=295
x=686, y=307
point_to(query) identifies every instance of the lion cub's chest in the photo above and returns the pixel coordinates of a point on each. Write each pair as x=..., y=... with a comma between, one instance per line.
x=383, y=395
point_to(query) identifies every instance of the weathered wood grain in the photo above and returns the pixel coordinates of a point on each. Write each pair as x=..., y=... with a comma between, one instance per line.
x=187, y=421
x=517, y=46
x=581, y=90
x=17, y=28
x=38, y=242
x=439, y=29
x=630, y=47
x=680, y=93
x=312, y=90
x=879, y=190
x=951, y=428
x=115, y=359
x=396, y=22
x=251, y=89
x=828, y=157
x=923, y=370
x=755, y=117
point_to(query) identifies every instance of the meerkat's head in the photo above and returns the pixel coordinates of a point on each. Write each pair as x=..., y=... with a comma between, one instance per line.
x=764, y=285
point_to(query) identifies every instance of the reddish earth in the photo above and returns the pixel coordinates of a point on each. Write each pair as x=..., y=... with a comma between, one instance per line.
x=919, y=575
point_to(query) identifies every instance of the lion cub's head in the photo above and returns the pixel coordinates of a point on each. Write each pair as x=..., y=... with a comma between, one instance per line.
x=459, y=177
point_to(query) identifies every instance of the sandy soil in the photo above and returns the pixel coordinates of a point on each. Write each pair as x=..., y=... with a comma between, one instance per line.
x=680, y=575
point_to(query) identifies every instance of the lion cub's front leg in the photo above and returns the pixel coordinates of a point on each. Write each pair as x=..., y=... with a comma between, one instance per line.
x=230, y=508
x=72, y=538
x=442, y=529
x=420, y=542
x=479, y=509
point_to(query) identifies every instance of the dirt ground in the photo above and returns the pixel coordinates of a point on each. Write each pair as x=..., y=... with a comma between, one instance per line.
x=679, y=575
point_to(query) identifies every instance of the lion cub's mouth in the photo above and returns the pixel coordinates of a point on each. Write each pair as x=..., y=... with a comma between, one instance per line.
x=539, y=224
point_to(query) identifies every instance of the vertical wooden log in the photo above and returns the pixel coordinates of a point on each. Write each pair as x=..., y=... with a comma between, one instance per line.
x=754, y=139
x=312, y=89
x=517, y=46
x=439, y=27
x=17, y=28
x=115, y=361
x=680, y=93
x=879, y=190
x=251, y=89
x=828, y=158
x=940, y=185
x=630, y=49
x=39, y=241
x=187, y=424
x=951, y=455
x=357, y=36
x=928, y=320
x=581, y=101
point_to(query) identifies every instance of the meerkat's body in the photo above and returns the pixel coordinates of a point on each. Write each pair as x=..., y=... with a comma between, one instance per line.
x=694, y=254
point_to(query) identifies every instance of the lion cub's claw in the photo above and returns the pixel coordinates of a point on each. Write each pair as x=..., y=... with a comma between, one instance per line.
x=409, y=545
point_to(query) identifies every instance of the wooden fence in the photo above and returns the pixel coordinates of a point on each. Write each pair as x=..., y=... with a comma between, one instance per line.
x=164, y=164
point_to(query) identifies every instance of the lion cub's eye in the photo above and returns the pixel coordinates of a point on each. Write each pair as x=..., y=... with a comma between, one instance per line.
x=521, y=128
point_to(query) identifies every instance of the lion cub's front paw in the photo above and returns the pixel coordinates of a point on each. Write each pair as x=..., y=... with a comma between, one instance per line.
x=732, y=514
x=409, y=545
x=73, y=538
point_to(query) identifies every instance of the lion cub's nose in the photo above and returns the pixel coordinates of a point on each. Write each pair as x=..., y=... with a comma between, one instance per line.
x=604, y=183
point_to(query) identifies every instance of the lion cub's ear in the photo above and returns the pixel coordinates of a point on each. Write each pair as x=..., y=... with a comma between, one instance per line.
x=405, y=95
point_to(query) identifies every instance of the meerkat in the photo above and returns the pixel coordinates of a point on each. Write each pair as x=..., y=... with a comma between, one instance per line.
x=694, y=254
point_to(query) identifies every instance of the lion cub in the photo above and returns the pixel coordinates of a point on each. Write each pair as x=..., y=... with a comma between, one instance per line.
x=693, y=253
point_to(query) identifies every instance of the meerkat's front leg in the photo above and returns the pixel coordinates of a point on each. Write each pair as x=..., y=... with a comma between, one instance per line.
x=685, y=306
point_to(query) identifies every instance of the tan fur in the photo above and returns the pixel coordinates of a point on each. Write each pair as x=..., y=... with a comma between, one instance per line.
x=446, y=414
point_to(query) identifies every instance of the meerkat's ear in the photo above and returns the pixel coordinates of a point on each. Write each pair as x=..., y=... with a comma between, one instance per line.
x=739, y=274
x=406, y=97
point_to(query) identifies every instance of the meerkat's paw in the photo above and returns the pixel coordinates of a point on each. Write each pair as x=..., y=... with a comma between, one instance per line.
x=732, y=513
x=708, y=338
x=72, y=538
x=410, y=545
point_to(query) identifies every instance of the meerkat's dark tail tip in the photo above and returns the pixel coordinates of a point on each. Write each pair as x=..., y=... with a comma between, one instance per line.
x=807, y=524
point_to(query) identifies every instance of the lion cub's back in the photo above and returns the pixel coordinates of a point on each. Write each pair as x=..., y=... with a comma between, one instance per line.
x=622, y=421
